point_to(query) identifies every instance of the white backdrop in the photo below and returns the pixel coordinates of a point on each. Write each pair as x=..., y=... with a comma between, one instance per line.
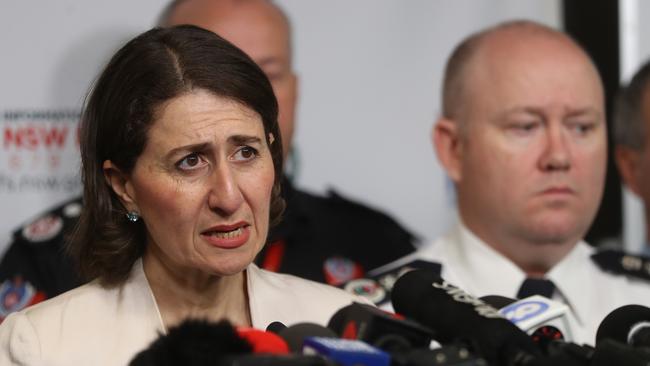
x=370, y=74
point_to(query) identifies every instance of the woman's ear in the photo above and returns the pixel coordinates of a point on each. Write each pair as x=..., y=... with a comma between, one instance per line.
x=271, y=138
x=121, y=185
x=448, y=145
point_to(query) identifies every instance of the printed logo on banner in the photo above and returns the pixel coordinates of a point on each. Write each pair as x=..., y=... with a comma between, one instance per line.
x=39, y=151
x=38, y=144
x=39, y=164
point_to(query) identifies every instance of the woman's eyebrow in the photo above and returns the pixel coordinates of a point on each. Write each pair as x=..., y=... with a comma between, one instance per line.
x=202, y=146
x=244, y=139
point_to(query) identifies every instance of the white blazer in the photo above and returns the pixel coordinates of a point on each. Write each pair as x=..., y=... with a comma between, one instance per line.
x=91, y=325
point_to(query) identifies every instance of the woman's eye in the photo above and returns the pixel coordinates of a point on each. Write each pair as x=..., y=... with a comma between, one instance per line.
x=245, y=153
x=190, y=162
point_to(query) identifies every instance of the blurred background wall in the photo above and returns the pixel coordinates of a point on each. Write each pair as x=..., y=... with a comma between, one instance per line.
x=370, y=74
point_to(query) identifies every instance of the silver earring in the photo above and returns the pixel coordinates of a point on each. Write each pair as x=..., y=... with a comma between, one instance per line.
x=133, y=216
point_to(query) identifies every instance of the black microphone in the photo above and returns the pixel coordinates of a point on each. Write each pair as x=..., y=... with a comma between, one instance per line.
x=629, y=324
x=296, y=334
x=379, y=328
x=496, y=301
x=194, y=342
x=456, y=315
x=609, y=352
x=202, y=343
x=276, y=327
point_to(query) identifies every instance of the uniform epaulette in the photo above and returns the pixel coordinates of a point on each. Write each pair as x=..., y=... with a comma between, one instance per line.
x=619, y=262
x=378, y=286
x=371, y=215
x=335, y=197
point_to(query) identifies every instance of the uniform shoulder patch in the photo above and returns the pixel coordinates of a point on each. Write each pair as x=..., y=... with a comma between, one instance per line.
x=50, y=225
x=43, y=229
x=377, y=288
x=621, y=263
x=335, y=198
x=373, y=217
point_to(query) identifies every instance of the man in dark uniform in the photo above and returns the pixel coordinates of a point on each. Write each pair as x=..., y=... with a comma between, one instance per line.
x=35, y=266
x=328, y=239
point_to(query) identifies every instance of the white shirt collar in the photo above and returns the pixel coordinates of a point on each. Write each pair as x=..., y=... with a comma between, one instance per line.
x=487, y=272
x=573, y=280
x=484, y=270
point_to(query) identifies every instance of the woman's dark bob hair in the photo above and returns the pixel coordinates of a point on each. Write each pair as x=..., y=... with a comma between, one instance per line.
x=154, y=67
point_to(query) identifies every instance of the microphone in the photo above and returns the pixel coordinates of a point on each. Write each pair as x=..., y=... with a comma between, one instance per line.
x=346, y=352
x=497, y=301
x=629, y=324
x=542, y=318
x=609, y=352
x=201, y=343
x=193, y=342
x=379, y=328
x=263, y=342
x=296, y=334
x=454, y=314
x=276, y=327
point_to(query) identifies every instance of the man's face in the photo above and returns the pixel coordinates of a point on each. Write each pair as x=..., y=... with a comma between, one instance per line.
x=643, y=170
x=532, y=146
x=259, y=30
x=634, y=164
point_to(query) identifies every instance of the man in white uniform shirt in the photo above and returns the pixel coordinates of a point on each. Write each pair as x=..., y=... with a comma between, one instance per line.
x=523, y=137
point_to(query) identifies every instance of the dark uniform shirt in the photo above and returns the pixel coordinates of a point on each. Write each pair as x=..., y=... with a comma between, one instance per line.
x=332, y=239
x=35, y=266
x=325, y=239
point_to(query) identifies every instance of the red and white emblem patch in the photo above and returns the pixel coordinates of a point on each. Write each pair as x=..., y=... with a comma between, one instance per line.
x=43, y=229
x=339, y=270
x=367, y=288
x=16, y=295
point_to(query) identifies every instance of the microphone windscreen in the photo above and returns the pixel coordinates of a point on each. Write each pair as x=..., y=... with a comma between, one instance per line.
x=263, y=342
x=454, y=314
x=497, y=301
x=296, y=334
x=276, y=327
x=379, y=328
x=193, y=342
x=621, y=322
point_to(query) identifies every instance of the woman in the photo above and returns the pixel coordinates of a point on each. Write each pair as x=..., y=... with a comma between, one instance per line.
x=181, y=163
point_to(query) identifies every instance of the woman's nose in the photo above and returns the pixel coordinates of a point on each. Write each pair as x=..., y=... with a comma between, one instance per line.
x=225, y=195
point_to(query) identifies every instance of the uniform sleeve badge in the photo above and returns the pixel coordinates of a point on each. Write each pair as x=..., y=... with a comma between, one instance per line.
x=17, y=294
x=43, y=229
x=339, y=270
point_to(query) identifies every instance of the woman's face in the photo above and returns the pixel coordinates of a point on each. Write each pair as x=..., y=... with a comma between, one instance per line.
x=203, y=184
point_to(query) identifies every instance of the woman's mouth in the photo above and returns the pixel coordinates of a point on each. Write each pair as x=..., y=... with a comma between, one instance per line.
x=227, y=236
